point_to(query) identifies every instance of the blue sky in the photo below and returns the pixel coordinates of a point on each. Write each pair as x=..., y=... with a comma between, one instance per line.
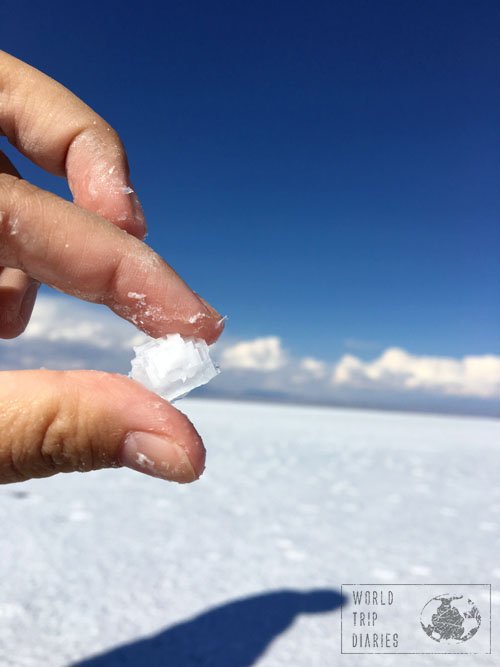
x=324, y=172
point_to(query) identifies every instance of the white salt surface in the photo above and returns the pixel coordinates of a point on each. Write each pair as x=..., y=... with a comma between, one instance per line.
x=173, y=366
x=137, y=571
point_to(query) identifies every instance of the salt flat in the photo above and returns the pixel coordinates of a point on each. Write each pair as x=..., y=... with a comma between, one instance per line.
x=115, y=568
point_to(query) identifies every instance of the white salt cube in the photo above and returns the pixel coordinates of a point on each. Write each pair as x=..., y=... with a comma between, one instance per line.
x=173, y=365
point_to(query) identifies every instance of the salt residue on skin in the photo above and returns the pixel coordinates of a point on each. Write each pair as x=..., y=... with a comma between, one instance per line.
x=166, y=469
x=140, y=314
x=149, y=260
x=13, y=227
x=92, y=297
x=144, y=461
x=203, y=316
x=143, y=315
x=195, y=318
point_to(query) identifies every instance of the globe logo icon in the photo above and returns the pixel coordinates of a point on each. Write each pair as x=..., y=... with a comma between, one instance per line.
x=450, y=619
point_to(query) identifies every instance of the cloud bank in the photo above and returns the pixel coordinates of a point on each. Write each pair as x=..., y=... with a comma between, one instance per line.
x=66, y=333
x=470, y=376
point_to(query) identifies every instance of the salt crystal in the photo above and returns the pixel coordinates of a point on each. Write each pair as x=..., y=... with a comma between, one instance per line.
x=173, y=365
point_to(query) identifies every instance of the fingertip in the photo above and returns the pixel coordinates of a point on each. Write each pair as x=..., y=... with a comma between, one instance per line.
x=213, y=324
x=158, y=439
x=164, y=304
x=192, y=444
x=212, y=330
x=98, y=176
x=122, y=208
x=158, y=456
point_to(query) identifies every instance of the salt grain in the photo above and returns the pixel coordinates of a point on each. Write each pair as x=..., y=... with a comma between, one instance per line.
x=173, y=365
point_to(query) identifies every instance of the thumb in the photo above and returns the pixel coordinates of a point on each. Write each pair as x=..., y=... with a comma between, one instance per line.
x=66, y=421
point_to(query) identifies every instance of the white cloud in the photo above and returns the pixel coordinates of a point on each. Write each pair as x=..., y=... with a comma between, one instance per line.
x=260, y=354
x=314, y=367
x=64, y=319
x=477, y=376
x=67, y=333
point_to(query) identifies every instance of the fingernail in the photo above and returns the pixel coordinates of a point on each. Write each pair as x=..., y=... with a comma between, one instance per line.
x=157, y=456
x=136, y=214
x=139, y=214
x=31, y=291
x=137, y=210
x=28, y=301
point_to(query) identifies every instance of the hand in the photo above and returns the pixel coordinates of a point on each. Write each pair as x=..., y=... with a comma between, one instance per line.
x=60, y=421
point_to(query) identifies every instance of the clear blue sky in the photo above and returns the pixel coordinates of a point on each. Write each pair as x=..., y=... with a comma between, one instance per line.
x=321, y=171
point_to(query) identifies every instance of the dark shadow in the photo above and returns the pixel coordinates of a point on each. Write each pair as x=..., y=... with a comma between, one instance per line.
x=235, y=634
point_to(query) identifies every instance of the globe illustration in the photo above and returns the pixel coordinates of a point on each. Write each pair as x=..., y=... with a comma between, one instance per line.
x=450, y=619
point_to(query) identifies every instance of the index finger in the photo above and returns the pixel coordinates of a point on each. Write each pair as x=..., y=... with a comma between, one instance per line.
x=61, y=134
x=82, y=254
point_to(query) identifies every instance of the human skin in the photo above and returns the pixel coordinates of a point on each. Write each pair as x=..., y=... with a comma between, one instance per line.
x=65, y=421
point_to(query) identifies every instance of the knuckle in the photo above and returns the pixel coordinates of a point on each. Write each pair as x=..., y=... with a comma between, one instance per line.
x=20, y=203
x=115, y=274
x=23, y=435
x=59, y=429
x=63, y=441
x=15, y=195
x=49, y=438
x=9, y=187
